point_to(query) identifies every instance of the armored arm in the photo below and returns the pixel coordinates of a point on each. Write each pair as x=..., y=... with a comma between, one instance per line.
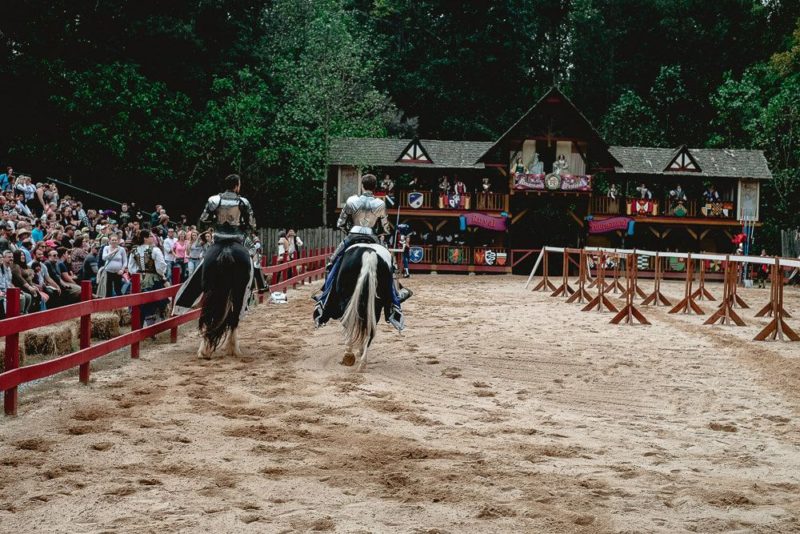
x=345, y=217
x=383, y=222
x=205, y=220
x=248, y=220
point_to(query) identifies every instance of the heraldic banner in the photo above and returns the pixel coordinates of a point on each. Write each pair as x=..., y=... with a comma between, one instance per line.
x=482, y=220
x=608, y=225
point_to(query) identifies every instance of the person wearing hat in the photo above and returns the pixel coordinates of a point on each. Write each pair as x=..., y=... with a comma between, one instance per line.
x=22, y=235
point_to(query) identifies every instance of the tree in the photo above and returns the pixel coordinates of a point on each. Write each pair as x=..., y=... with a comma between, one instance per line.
x=631, y=121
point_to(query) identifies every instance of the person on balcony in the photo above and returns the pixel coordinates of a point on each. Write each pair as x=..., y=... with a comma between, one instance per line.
x=644, y=192
x=612, y=192
x=677, y=199
x=444, y=185
x=486, y=185
x=711, y=195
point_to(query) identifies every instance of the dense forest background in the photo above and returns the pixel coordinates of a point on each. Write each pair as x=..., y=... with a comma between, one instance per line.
x=156, y=101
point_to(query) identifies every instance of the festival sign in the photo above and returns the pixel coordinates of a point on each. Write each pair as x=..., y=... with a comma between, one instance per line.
x=490, y=222
x=416, y=254
x=608, y=225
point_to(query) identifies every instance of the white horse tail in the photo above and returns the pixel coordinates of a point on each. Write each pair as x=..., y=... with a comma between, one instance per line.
x=359, y=318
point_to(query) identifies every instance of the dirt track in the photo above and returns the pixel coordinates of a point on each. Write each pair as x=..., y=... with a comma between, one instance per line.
x=499, y=410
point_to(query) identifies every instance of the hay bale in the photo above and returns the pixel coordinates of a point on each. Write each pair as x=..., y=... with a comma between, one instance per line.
x=3, y=355
x=49, y=340
x=124, y=316
x=105, y=325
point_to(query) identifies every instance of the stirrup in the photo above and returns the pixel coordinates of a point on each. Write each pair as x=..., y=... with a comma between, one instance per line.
x=396, y=319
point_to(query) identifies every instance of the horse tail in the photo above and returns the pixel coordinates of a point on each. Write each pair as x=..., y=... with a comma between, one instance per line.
x=359, y=317
x=219, y=313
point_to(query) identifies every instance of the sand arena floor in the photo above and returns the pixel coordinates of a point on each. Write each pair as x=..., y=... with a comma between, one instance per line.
x=499, y=410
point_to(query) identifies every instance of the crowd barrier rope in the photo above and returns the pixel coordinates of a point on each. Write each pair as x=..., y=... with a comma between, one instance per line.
x=310, y=266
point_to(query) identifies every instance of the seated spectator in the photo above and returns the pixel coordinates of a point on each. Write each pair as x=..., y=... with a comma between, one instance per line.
x=6, y=283
x=68, y=291
x=22, y=277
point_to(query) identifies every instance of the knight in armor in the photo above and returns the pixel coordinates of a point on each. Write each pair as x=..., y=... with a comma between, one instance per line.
x=231, y=218
x=364, y=220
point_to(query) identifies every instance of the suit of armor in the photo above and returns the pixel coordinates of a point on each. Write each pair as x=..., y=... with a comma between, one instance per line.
x=230, y=215
x=361, y=217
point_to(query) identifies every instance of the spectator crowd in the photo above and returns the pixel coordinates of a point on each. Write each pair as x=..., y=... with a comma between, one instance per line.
x=50, y=242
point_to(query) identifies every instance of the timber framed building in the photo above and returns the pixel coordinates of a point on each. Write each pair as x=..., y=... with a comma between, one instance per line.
x=550, y=179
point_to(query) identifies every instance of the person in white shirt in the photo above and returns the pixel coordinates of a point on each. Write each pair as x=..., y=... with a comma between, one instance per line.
x=169, y=251
x=115, y=261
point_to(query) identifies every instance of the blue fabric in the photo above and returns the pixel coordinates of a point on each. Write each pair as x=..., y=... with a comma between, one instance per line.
x=4, y=185
x=37, y=235
x=331, y=279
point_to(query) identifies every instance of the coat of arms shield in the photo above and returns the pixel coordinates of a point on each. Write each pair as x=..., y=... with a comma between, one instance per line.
x=415, y=199
x=415, y=254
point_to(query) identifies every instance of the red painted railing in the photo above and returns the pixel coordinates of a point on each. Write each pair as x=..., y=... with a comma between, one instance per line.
x=312, y=266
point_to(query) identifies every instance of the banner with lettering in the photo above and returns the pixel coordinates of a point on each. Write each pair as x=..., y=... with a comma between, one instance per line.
x=490, y=222
x=608, y=225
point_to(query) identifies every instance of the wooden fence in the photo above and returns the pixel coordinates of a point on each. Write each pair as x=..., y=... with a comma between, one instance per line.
x=312, y=238
x=309, y=267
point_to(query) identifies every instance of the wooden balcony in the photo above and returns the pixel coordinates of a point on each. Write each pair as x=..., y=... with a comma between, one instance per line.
x=662, y=208
x=433, y=200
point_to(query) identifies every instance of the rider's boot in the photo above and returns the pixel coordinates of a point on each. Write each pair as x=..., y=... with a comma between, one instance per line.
x=317, y=316
x=404, y=294
x=406, y=274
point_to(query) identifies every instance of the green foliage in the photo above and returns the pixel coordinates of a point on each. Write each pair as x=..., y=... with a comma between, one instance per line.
x=116, y=115
x=631, y=121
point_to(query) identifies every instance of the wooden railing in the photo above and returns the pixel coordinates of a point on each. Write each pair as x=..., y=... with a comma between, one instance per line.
x=492, y=202
x=469, y=201
x=427, y=199
x=603, y=205
x=306, y=268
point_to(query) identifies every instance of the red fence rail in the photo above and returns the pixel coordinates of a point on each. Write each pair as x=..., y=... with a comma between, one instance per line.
x=310, y=266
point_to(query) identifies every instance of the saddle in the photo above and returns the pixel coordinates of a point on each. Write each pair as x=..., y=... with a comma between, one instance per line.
x=355, y=239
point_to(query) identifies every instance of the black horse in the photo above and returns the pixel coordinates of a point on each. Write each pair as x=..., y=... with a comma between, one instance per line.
x=359, y=293
x=225, y=278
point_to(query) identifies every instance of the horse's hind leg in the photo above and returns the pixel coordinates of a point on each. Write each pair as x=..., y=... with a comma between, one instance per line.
x=362, y=362
x=232, y=343
x=204, y=351
x=349, y=357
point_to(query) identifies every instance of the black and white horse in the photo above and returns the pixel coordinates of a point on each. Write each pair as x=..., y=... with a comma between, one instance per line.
x=227, y=275
x=359, y=293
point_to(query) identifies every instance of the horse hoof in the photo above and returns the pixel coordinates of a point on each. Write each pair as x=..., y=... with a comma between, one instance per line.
x=349, y=359
x=203, y=355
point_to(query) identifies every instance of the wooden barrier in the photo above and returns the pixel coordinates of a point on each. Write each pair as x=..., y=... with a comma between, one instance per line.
x=629, y=313
x=544, y=284
x=702, y=293
x=769, y=309
x=725, y=313
x=656, y=297
x=10, y=328
x=600, y=300
x=687, y=304
x=564, y=289
x=777, y=327
x=615, y=286
x=581, y=296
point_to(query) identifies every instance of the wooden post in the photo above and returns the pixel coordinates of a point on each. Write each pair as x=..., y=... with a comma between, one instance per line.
x=702, y=292
x=768, y=310
x=635, y=287
x=687, y=304
x=545, y=284
x=776, y=328
x=176, y=281
x=736, y=300
x=136, y=312
x=581, y=295
x=86, y=331
x=600, y=300
x=616, y=286
x=263, y=264
x=725, y=313
x=564, y=289
x=656, y=296
x=12, y=350
x=629, y=313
